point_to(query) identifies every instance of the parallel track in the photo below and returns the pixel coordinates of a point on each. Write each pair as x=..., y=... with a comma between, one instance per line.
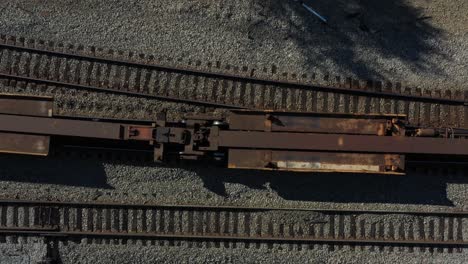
x=52, y=64
x=211, y=226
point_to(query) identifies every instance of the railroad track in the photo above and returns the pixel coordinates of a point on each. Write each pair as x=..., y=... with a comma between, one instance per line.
x=210, y=226
x=53, y=64
x=95, y=69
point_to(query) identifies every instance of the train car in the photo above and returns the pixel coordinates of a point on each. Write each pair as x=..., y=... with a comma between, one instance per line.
x=241, y=139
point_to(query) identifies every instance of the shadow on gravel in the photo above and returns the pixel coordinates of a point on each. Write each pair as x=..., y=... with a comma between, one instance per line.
x=47, y=170
x=389, y=28
x=414, y=188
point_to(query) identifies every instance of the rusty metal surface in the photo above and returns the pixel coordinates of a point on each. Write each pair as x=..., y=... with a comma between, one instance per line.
x=317, y=114
x=309, y=122
x=61, y=127
x=343, y=143
x=25, y=105
x=315, y=161
x=144, y=133
x=24, y=144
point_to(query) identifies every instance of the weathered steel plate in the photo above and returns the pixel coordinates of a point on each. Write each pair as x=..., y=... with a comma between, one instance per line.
x=310, y=122
x=26, y=105
x=61, y=127
x=24, y=144
x=342, y=143
x=316, y=161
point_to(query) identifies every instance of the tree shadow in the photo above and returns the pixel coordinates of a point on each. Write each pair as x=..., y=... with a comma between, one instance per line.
x=416, y=187
x=389, y=28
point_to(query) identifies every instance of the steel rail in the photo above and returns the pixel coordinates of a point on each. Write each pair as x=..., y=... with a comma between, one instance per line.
x=40, y=203
x=234, y=77
x=51, y=232
x=122, y=92
x=48, y=223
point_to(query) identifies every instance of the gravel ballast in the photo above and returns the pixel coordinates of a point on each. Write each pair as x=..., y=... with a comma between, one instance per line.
x=422, y=44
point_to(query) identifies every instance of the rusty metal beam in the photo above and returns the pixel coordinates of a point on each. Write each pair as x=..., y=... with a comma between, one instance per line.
x=60, y=127
x=309, y=122
x=342, y=143
x=26, y=105
x=315, y=161
x=24, y=144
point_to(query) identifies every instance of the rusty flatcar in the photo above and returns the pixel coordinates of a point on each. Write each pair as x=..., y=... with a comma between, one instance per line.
x=245, y=139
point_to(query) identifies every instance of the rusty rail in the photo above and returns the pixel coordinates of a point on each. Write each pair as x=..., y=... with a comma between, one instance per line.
x=231, y=77
x=122, y=205
x=224, y=224
x=51, y=232
x=116, y=91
